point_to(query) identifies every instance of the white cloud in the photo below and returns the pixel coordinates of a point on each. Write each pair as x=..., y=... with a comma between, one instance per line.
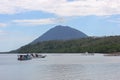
x=62, y=7
x=3, y=24
x=39, y=21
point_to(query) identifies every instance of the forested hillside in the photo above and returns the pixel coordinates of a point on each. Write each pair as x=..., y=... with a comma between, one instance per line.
x=92, y=45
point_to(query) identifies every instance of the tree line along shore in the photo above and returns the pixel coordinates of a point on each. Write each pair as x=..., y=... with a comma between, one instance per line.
x=106, y=44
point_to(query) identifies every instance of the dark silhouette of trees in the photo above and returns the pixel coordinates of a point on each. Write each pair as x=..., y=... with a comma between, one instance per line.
x=91, y=44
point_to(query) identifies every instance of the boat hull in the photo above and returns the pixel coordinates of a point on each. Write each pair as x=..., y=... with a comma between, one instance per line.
x=24, y=57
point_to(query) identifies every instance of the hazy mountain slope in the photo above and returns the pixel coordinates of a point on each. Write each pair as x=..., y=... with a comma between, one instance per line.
x=60, y=33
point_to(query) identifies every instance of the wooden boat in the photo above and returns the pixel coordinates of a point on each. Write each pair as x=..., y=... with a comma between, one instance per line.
x=24, y=57
x=41, y=56
x=38, y=56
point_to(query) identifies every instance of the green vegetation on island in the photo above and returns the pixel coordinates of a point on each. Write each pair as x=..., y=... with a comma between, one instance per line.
x=108, y=44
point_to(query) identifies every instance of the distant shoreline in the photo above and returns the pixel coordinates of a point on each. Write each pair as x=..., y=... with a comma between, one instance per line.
x=47, y=53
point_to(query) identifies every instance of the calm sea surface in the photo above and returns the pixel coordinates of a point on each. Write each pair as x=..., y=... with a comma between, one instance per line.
x=60, y=67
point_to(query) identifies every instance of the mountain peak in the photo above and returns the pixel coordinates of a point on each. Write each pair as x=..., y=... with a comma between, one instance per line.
x=61, y=26
x=60, y=32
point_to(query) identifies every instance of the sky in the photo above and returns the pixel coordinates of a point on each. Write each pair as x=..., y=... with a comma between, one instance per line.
x=22, y=21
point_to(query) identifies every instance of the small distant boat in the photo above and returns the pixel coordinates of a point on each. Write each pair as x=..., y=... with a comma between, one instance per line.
x=38, y=55
x=41, y=56
x=24, y=57
x=86, y=53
